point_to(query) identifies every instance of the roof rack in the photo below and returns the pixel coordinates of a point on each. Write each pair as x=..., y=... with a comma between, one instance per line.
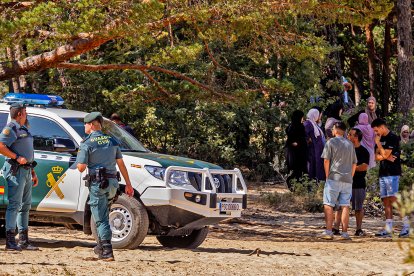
x=34, y=99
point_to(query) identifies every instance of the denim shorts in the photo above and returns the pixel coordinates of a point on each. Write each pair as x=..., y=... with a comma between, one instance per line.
x=389, y=185
x=337, y=193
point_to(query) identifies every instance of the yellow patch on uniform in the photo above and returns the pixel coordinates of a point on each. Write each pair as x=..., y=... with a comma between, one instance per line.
x=6, y=131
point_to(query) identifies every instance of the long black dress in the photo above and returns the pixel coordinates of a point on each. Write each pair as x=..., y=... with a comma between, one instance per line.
x=296, y=147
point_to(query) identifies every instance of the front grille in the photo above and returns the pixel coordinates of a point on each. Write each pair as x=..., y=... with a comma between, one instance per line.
x=222, y=182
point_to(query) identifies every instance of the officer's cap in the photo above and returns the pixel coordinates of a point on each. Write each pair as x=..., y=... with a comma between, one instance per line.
x=93, y=116
x=18, y=105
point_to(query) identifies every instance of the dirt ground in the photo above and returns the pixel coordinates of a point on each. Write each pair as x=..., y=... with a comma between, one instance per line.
x=281, y=243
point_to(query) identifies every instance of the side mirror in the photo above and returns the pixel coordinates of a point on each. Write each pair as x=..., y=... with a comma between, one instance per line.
x=64, y=145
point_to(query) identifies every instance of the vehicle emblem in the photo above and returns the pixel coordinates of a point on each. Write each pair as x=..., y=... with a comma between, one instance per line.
x=54, y=184
x=216, y=182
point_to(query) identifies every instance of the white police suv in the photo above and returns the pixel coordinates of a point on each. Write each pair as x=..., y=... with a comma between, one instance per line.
x=176, y=198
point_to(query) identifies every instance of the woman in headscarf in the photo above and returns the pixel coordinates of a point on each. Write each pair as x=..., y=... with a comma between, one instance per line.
x=334, y=112
x=371, y=110
x=296, y=146
x=405, y=134
x=315, y=141
x=368, y=137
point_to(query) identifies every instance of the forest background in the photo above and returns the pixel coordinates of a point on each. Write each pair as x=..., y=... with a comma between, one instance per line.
x=211, y=80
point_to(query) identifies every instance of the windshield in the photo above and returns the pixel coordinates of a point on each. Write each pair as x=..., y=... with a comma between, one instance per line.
x=126, y=141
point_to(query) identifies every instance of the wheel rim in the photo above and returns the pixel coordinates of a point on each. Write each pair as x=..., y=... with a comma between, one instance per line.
x=120, y=220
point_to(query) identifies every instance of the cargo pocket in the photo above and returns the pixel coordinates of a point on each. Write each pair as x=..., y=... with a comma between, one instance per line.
x=93, y=195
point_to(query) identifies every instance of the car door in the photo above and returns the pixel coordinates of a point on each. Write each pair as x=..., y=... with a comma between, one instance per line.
x=59, y=180
x=3, y=184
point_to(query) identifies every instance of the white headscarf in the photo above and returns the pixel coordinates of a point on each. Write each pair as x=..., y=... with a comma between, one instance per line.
x=312, y=117
x=404, y=140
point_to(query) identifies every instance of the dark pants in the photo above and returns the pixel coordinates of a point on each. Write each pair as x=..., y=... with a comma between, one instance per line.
x=100, y=201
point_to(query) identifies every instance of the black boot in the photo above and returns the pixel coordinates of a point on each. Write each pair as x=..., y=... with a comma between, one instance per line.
x=24, y=241
x=98, y=248
x=11, y=241
x=106, y=254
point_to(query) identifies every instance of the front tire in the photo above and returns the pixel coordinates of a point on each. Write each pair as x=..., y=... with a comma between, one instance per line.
x=129, y=223
x=192, y=241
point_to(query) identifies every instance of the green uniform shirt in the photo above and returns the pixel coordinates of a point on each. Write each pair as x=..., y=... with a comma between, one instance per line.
x=99, y=150
x=18, y=139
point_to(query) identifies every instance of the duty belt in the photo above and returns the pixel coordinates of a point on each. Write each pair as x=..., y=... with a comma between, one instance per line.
x=14, y=166
x=26, y=166
x=93, y=177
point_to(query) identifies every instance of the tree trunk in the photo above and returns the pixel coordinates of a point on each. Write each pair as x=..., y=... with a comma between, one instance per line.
x=371, y=57
x=386, y=74
x=13, y=83
x=405, y=55
x=335, y=71
x=356, y=92
x=355, y=68
x=21, y=79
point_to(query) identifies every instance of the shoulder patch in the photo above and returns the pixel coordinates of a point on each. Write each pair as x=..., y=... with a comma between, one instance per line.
x=6, y=131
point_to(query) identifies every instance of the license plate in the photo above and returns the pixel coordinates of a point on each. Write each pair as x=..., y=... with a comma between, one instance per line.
x=224, y=206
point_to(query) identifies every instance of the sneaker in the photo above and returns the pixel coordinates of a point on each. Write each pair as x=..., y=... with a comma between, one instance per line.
x=383, y=234
x=405, y=232
x=359, y=233
x=326, y=235
x=345, y=236
x=336, y=232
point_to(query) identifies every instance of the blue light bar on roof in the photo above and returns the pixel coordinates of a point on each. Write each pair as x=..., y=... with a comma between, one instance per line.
x=33, y=99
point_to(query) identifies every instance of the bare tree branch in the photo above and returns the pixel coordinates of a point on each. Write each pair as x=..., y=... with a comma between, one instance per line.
x=84, y=44
x=142, y=68
x=49, y=59
x=218, y=65
x=156, y=83
x=42, y=34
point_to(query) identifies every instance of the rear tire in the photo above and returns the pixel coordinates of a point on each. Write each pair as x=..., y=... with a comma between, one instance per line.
x=192, y=241
x=129, y=223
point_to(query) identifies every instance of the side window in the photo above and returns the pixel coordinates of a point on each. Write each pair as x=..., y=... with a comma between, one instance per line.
x=3, y=120
x=44, y=131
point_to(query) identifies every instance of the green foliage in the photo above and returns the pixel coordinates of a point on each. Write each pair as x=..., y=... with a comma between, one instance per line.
x=268, y=58
x=306, y=195
x=407, y=154
x=406, y=203
x=179, y=55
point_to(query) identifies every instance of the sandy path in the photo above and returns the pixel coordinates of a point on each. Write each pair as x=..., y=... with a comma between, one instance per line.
x=288, y=246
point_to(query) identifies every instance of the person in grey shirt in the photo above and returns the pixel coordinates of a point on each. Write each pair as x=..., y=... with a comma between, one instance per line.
x=340, y=164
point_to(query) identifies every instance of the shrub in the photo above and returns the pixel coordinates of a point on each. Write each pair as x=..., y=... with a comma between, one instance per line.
x=406, y=207
x=306, y=195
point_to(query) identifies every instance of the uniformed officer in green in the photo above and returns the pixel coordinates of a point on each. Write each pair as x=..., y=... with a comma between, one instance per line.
x=16, y=144
x=100, y=153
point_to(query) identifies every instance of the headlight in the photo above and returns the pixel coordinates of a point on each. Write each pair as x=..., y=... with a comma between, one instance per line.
x=179, y=178
x=157, y=172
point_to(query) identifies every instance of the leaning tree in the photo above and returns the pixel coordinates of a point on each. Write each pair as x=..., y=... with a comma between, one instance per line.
x=40, y=35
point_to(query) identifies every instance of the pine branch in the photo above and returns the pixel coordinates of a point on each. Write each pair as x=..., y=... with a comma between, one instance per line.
x=142, y=68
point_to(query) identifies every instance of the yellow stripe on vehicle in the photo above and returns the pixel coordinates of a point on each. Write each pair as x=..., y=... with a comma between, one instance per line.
x=136, y=166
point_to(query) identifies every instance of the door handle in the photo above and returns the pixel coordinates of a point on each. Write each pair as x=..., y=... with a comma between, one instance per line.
x=43, y=156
